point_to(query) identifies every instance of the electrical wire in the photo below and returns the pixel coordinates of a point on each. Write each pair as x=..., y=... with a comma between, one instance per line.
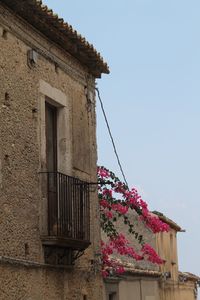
x=111, y=137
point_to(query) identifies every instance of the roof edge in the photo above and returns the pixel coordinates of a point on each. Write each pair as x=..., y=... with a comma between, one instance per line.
x=56, y=29
x=168, y=221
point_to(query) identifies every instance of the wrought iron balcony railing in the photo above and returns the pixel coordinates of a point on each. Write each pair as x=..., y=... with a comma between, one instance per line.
x=68, y=212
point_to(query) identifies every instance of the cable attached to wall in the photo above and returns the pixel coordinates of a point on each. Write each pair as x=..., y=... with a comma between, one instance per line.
x=111, y=137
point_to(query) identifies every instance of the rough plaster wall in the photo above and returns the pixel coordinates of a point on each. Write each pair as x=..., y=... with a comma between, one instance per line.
x=81, y=132
x=20, y=194
x=148, y=236
x=18, y=134
x=27, y=284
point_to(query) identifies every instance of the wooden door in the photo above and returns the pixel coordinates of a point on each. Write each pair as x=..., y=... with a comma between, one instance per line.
x=51, y=165
x=51, y=137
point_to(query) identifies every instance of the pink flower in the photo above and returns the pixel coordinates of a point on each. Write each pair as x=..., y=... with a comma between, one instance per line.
x=104, y=203
x=154, y=223
x=102, y=172
x=109, y=214
x=151, y=254
x=120, y=270
x=104, y=273
x=107, y=193
x=120, y=208
x=109, y=207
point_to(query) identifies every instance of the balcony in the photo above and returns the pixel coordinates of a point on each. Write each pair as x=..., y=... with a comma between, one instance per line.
x=68, y=213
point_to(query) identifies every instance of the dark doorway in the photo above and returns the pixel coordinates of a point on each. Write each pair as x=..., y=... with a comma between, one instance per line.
x=51, y=137
x=112, y=296
x=51, y=165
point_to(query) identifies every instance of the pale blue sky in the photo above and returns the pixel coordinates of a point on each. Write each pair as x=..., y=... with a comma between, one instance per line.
x=152, y=99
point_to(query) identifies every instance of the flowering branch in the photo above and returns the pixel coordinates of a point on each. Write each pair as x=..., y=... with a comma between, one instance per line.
x=111, y=209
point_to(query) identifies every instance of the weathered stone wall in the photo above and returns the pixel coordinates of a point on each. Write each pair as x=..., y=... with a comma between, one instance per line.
x=21, y=159
x=141, y=229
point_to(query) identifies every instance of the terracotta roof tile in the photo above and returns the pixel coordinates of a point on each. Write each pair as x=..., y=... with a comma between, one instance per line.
x=60, y=32
x=142, y=272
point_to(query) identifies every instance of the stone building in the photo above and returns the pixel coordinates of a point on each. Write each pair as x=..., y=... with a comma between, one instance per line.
x=49, y=229
x=141, y=278
x=146, y=281
x=174, y=285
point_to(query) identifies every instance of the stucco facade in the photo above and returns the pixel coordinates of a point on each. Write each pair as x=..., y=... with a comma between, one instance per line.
x=35, y=70
x=174, y=285
x=134, y=284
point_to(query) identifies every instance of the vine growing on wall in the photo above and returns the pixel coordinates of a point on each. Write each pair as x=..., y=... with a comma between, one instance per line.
x=116, y=200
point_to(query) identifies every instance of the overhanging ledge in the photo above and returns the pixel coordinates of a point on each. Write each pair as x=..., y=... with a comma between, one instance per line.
x=60, y=32
x=57, y=241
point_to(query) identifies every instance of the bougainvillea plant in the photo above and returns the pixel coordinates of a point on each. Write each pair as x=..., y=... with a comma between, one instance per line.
x=116, y=201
